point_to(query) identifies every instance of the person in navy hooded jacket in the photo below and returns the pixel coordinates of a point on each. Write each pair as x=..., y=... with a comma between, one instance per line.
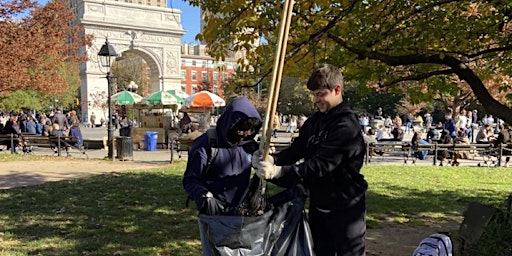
x=222, y=185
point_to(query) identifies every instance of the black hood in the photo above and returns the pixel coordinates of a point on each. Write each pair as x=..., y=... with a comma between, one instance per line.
x=236, y=110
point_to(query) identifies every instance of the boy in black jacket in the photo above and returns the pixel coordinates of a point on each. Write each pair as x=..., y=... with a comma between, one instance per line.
x=332, y=146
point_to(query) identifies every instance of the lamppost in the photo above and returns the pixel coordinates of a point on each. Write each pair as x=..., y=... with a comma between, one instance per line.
x=107, y=56
x=132, y=86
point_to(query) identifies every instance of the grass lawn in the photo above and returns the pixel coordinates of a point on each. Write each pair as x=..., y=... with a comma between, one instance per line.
x=143, y=212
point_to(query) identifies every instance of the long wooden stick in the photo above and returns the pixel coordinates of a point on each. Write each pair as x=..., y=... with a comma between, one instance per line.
x=277, y=72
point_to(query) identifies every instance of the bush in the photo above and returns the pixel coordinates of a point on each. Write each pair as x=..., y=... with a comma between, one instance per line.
x=496, y=239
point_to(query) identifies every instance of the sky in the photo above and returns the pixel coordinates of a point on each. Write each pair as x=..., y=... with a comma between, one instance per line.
x=190, y=18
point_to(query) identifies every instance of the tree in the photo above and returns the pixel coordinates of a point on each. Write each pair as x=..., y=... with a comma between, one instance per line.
x=420, y=47
x=131, y=68
x=36, y=43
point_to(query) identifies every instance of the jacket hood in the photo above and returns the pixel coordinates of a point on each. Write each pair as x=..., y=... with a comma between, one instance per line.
x=236, y=110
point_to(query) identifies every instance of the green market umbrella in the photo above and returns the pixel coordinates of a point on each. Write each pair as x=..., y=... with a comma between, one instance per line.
x=178, y=95
x=160, y=98
x=125, y=98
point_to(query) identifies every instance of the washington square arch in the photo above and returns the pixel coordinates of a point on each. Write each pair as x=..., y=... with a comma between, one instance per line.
x=149, y=32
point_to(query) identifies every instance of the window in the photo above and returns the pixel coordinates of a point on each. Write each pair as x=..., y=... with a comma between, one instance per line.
x=215, y=76
x=194, y=63
x=216, y=89
x=225, y=76
x=194, y=88
x=194, y=75
x=183, y=75
x=204, y=77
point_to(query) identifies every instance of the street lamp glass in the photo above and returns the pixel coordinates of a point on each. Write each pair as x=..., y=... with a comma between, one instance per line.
x=107, y=55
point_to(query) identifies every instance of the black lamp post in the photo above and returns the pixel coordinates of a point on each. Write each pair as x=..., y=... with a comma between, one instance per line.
x=107, y=56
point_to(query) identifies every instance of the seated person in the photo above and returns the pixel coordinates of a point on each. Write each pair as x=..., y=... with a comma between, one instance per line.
x=446, y=138
x=370, y=139
x=462, y=138
x=398, y=133
x=433, y=135
x=194, y=132
x=74, y=131
x=485, y=135
x=383, y=133
x=55, y=132
x=415, y=142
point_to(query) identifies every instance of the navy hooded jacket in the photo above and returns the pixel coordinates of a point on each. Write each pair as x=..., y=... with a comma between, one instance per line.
x=229, y=173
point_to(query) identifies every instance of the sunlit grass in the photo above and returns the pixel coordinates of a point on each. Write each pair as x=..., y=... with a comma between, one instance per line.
x=144, y=213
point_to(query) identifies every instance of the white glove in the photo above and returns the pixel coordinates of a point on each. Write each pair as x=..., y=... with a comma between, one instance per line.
x=207, y=195
x=268, y=170
x=257, y=156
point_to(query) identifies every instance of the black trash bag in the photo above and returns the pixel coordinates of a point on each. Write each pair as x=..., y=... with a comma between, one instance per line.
x=282, y=230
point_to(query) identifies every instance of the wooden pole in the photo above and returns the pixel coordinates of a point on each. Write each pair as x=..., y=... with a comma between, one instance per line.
x=277, y=72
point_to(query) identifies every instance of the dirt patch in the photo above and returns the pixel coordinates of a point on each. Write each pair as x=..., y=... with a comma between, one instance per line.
x=33, y=172
x=390, y=239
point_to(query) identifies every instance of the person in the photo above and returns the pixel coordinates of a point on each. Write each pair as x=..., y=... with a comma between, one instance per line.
x=485, y=135
x=56, y=131
x=332, y=148
x=449, y=125
x=60, y=119
x=444, y=154
x=434, y=133
x=93, y=120
x=30, y=125
x=275, y=125
x=75, y=131
x=229, y=172
x=194, y=132
x=415, y=142
x=185, y=123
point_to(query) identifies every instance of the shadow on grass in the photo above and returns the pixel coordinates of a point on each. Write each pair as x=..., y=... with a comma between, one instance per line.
x=130, y=213
x=143, y=213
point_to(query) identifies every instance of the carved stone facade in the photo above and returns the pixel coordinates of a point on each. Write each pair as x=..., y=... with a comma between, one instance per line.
x=152, y=33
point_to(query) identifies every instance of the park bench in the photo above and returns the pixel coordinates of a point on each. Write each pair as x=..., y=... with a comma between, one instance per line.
x=489, y=153
x=384, y=147
x=10, y=139
x=56, y=143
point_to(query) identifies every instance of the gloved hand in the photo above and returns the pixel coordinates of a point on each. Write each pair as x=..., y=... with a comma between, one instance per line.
x=268, y=170
x=257, y=156
x=207, y=195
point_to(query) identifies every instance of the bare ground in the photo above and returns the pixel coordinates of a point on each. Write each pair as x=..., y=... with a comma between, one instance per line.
x=389, y=239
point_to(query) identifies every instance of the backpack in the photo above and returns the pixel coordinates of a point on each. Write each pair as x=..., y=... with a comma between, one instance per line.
x=434, y=245
x=211, y=133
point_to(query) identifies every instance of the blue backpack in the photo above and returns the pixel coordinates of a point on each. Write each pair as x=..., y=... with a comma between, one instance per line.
x=435, y=245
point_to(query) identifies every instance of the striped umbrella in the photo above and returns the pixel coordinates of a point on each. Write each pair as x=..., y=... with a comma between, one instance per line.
x=125, y=98
x=204, y=99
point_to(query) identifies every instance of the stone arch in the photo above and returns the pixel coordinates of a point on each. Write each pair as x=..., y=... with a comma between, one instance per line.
x=152, y=33
x=154, y=63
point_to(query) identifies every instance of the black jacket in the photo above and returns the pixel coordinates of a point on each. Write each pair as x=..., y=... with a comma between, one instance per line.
x=333, y=150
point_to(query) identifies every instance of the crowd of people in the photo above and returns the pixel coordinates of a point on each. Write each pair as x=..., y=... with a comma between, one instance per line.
x=465, y=128
x=53, y=123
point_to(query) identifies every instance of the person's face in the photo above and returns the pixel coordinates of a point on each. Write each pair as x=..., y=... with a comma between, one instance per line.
x=240, y=132
x=326, y=99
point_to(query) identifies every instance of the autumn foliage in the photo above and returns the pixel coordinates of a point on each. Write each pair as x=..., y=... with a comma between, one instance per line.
x=35, y=44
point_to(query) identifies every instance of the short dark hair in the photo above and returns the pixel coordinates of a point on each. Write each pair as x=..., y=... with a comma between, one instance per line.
x=325, y=76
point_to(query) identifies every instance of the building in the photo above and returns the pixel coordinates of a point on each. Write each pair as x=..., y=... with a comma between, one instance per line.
x=159, y=3
x=199, y=71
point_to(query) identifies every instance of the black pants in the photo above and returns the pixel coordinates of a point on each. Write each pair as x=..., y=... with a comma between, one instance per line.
x=339, y=232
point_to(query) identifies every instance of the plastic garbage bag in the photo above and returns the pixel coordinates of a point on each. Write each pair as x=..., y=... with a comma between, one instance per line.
x=282, y=230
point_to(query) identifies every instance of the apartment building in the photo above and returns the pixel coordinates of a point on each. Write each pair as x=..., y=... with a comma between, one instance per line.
x=200, y=71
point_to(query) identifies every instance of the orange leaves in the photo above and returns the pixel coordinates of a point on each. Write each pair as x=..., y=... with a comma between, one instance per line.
x=34, y=46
